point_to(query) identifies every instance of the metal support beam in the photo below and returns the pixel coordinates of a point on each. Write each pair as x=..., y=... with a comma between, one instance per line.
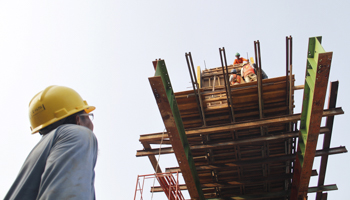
x=316, y=80
x=289, y=77
x=165, y=98
x=327, y=137
x=259, y=78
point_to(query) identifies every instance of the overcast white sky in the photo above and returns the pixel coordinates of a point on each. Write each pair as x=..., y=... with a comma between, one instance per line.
x=104, y=50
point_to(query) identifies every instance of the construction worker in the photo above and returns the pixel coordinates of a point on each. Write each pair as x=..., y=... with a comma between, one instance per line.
x=248, y=73
x=263, y=74
x=239, y=60
x=61, y=165
x=235, y=78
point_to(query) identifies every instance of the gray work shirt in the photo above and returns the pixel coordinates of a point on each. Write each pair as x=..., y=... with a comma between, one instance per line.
x=61, y=166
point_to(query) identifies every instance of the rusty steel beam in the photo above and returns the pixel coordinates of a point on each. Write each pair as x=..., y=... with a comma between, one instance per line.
x=316, y=81
x=165, y=98
x=327, y=137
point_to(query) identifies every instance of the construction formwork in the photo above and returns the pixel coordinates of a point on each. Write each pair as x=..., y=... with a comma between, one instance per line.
x=244, y=141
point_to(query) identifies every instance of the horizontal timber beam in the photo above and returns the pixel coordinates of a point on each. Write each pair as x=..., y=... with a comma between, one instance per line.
x=258, y=123
x=239, y=126
x=167, y=150
x=211, y=185
x=322, y=188
x=234, y=164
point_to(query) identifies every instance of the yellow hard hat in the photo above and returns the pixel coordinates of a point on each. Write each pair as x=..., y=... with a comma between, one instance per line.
x=53, y=104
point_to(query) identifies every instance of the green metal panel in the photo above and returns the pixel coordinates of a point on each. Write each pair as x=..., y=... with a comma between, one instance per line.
x=314, y=50
x=162, y=71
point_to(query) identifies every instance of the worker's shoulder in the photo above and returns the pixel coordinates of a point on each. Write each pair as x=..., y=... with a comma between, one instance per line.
x=75, y=131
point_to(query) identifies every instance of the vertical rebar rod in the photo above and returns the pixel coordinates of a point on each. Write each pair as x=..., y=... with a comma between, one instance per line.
x=290, y=76
x=195, y=87
x=287, y=58
x=227, y=84
x=198, y=92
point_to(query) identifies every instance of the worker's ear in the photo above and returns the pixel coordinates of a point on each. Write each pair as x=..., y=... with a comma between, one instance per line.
x=78, y=120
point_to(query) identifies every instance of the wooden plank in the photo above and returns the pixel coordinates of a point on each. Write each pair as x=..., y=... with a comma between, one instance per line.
x=229, y=184
x=268, y=195
x=298, y=87
x=258, y=123
x=167, y=150
x=158, y=136
x=322, y=188
x=233, y=163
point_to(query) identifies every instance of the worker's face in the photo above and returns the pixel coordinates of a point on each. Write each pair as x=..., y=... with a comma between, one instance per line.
x=84, y=120
x=237, y=57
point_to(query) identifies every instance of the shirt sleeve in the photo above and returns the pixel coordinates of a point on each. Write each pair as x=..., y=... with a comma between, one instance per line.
x=69, y=171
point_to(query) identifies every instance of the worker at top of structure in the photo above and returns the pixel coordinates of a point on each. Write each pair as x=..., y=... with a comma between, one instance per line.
x=239, y=59
x=61, y=165
x=263, y=74
x=235, y=78
x=248, y=73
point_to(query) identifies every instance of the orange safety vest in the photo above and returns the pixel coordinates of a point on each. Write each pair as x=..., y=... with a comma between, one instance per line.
x=248, y=70
x=236, y=79
x=239, y=60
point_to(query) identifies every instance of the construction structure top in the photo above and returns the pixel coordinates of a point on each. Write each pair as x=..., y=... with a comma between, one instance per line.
x=244, y=141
